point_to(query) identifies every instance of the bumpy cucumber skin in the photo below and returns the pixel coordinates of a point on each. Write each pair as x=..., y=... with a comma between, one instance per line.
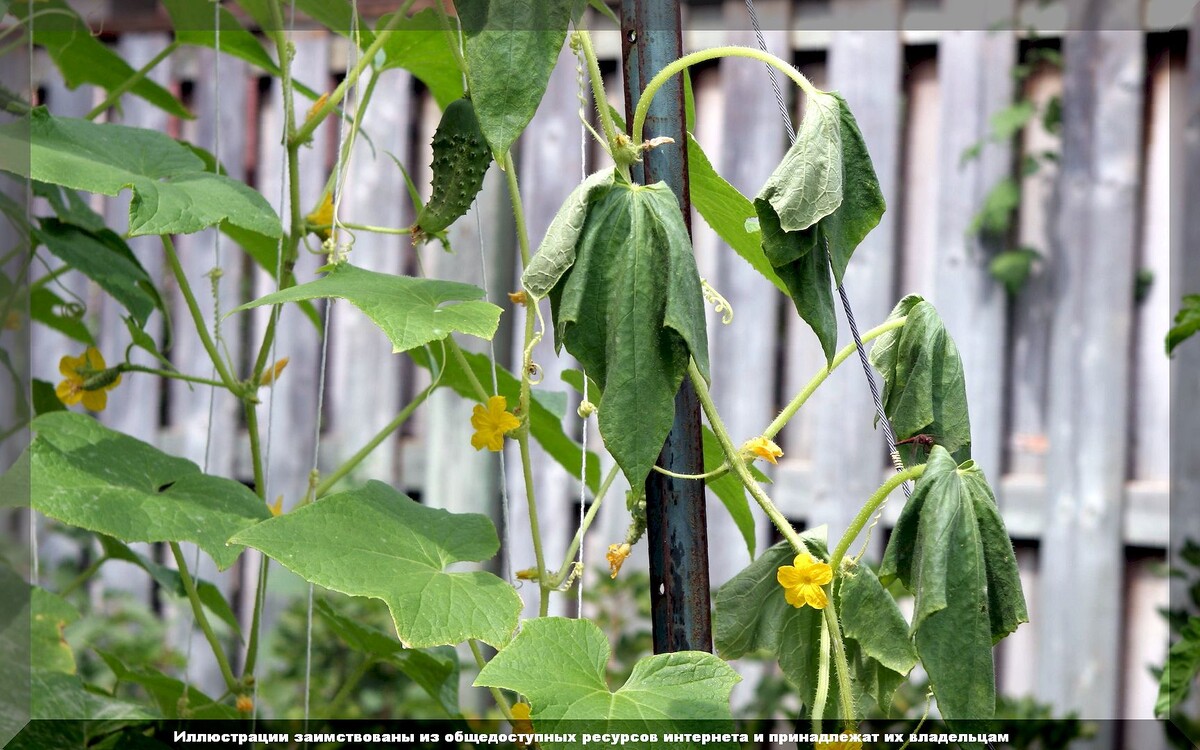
x=460, y=160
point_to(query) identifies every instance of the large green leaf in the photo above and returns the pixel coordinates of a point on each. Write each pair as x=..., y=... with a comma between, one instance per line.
x=725, y=209
x=512, y=47
x=194, y=23
x=924, y=391
x=89, y=476
x=82, y=58
x=559, y=666
x=169, y=578
x=48, y=647
x=421, y=46
x=376, y=542
x=172, y=194
x=631, y=311
x=265, y=252
x=170, y=695
x=105, y=259
x=55, y=695
x=546, y=411
x=950, y=549
x=435, y=669
x=823, y=197
x=411, y=311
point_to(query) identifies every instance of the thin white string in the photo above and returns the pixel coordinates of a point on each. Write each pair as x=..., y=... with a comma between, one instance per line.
x=505, y=537
x=340, y=170
x=260, y=595
x=34, y=566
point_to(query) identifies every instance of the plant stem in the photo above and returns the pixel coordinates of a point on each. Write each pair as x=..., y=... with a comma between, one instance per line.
x=197, y=317
x=498, y=696
x=569, y=558
x=842, y=666
x=126, y=367
x=738, y=464
x=260, y=590
x=717, y=472
x=794, y=405
x=318, y=115
x=461, y=358
x=347, y=689
x=131, y=81
x=202, y=619
x=597, y=80
x=329, y=481
x=514, y=194
x=643, y=107
x=87, y=573
x=368, y=228
x=869, y=508
x=821, y=698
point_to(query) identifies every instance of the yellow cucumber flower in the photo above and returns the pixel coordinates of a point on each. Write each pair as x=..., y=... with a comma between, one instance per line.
x=803, y=579
x=616, y=556
x=320, y=221
x=491, y=423
x=271, y=375
x=521, y=723
x=762, y=448
x=87, y=379
x=847, y=745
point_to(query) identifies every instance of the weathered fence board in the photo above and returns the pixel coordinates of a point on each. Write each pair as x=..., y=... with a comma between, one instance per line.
x=1082, y=544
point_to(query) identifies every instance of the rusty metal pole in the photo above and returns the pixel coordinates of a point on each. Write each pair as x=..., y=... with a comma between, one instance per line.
x=675, y=515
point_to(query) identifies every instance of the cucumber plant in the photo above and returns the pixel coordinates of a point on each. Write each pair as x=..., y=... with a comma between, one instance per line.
x=625, y=299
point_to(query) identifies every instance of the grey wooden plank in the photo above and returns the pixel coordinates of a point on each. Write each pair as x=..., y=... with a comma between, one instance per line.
x=754, y=141
x=364, y=376
x=1185, y=365
x=865, y=66
x=1093, y=274
x=976, y=82
x=1026, y=443
x=919, y=197
x=1150, y=405
x=1144, y=643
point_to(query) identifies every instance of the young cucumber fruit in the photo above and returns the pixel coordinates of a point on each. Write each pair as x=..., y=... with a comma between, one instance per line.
x=460, y=159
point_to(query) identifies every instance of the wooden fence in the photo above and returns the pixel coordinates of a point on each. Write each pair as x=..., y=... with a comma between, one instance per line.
x=1068, y=383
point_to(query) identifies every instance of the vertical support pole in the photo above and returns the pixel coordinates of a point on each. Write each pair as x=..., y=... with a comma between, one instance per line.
x=675, y=515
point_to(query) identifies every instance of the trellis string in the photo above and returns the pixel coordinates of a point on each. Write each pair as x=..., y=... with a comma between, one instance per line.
x=881, y=416
x=340, y=170
x=583, y=437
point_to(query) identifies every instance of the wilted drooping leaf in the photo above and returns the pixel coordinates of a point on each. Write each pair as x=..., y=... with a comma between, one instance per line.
x=376, y=542
x=951, y=550
x=924, y=390
x=820, y=201
x=631, y=311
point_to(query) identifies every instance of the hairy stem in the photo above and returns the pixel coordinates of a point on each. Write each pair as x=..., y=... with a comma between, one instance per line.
x=869, y=508
x=202, y=619
x=133, y=80
x=664, y=75
x=569, y=558
x=197, y=317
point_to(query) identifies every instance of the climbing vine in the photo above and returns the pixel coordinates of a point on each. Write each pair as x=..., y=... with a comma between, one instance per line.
x=624, y=299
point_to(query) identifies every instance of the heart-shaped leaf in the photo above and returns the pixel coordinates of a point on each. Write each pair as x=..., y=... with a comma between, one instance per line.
x=950, y=549
x=410, y=311
x=559, y=665
x=376, y=542
x=89, y=476
x=172, y=192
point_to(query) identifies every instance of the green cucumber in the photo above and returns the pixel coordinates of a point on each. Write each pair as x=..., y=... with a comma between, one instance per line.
x=461, y=158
